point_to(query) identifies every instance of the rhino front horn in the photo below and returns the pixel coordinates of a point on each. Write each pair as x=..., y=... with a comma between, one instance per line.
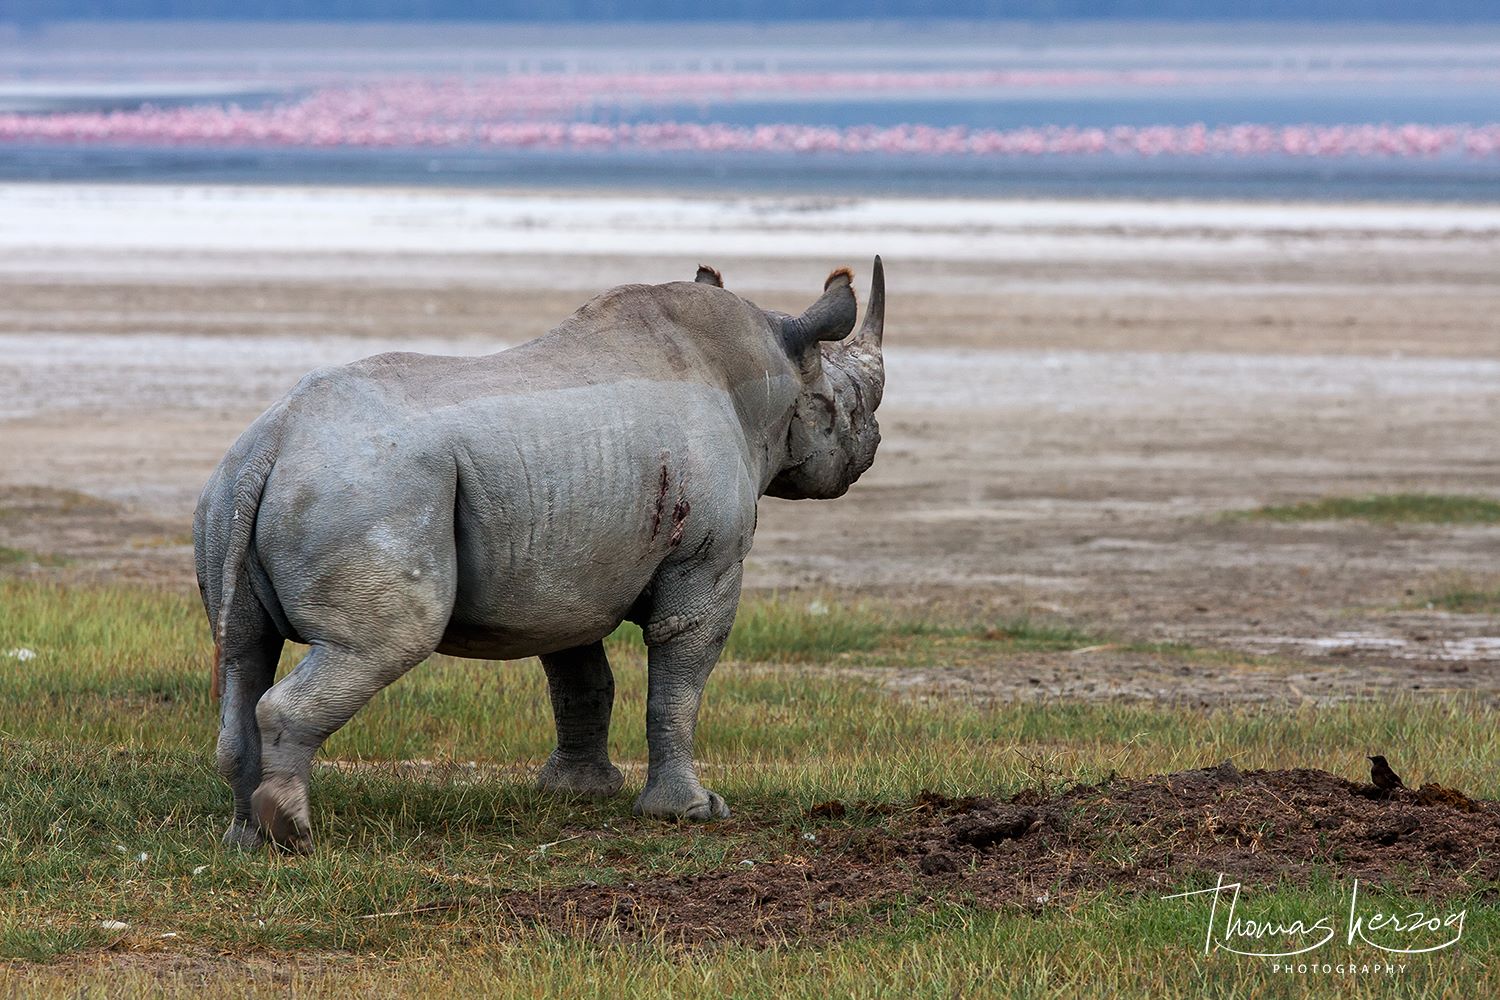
x=872, y=330
x=864, y=349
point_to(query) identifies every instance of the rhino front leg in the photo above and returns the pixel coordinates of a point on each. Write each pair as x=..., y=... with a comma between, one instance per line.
x=689, y=625
x=583, y=696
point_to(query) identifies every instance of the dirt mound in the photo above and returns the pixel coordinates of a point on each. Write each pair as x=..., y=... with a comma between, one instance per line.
x=1033, y=850
x=1257, y=825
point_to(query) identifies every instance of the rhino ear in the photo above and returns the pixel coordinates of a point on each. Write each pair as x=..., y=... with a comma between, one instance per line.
x=829, y=318
x=709, y=276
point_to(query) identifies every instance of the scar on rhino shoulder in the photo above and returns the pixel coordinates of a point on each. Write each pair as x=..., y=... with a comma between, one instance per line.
x=679, y=520
x=708, y=539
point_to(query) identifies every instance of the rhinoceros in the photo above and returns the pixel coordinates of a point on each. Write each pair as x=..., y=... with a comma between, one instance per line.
x=520, y=504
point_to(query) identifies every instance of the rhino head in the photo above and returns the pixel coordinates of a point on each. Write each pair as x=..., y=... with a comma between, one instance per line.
x=833, y=434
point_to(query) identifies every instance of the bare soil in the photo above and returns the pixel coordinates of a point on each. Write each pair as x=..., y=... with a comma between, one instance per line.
x=1038, y=851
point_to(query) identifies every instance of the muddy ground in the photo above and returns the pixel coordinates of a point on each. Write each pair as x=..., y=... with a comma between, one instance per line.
x=1068, y=422
x=1038, y=852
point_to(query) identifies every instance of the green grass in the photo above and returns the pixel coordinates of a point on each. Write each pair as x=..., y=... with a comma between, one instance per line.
x=106, y=755
x=1467, y=601
x=1112, y=946
x=21, y=557
x=1390, y=508
x=1461, y=594
x=125, y=665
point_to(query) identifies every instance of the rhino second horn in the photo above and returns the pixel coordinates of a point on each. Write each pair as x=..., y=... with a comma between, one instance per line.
x=829, y=318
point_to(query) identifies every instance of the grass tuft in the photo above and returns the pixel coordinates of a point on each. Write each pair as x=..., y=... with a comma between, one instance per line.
x=1389, y=508
x=1034, y=636
x=1462, y=594
x=1467, y=601
x=21, y=557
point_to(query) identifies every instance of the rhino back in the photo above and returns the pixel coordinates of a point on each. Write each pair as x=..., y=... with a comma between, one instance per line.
x=559, y=476
x=678, y=332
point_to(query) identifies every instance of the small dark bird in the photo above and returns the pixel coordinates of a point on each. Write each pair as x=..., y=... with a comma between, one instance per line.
x=1381, y=775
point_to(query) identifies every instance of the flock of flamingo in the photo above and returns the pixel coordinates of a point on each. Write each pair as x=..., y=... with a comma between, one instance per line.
x=552, y=112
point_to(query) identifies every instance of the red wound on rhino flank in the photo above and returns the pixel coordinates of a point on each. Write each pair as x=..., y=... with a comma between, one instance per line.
x=661, y=503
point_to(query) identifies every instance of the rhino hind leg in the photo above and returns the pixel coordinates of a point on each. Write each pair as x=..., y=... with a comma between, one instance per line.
x=689, y=624
x=299, y=713
x=252, y=647
x=582, y=688
x=370, y=608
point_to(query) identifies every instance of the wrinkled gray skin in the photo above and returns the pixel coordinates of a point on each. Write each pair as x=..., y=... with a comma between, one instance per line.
x=522, y=504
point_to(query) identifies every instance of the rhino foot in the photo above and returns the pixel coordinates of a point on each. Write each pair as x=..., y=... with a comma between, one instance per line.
x=592, y=780
x=694, y=803
x=280, y=807
x=243, y=836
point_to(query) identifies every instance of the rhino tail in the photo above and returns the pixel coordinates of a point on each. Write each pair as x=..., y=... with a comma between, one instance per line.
x=249, y=487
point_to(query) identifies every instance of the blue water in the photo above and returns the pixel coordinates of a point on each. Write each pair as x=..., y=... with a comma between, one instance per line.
x=1105, y=176
x=1176, y=108
x=777, y=174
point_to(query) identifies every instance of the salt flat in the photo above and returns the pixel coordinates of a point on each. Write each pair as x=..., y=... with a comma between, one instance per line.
x=165, y=218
